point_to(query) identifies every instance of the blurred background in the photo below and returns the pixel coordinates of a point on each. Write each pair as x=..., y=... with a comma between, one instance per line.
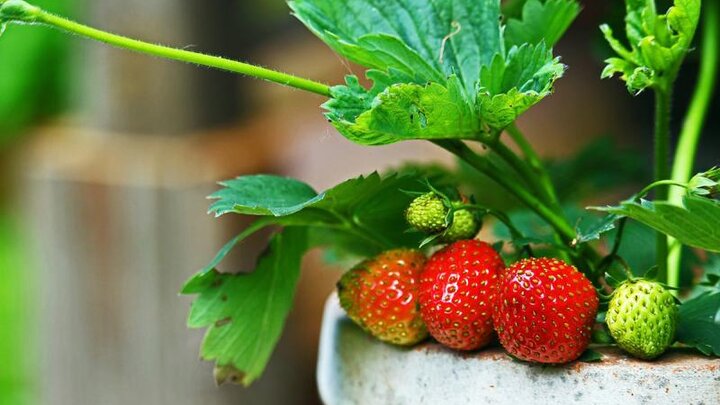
x=106, y=158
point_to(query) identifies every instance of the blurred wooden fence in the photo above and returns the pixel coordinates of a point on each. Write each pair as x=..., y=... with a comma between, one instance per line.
x=117, y=209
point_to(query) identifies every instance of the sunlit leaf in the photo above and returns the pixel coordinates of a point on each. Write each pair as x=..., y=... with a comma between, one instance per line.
x=696, y=223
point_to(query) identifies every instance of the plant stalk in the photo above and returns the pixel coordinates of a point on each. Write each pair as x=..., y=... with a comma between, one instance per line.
x=486, y=167
x=40, y=16
x=693, y=124
x=536, y=171
x=663, y=99
x=526, y=172
x=535, y=162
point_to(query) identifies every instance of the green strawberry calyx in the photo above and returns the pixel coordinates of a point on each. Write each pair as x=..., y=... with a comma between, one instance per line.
x=706, y=184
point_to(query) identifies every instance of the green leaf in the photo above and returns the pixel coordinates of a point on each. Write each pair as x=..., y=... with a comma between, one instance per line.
x=696, y=223
x=706, y=183
x=525, y=68
x=261, y=194
x=590, y=356
x=245, y=313
x=453, y=37
x=544, y=21
x=385, y=53
x=501, y=110
x=341, y=247
x=638, y=246
x=602, y=336
x=367, y=210
x=710, y=281
x=512, y=84
x=407, y=111
x=225, y=250
x=595, y=229
x=506, y=88
x=439, y=68
x=651, y=273
x=615, y=278
x=658, y=43
x=699, y=323
x=375, y=204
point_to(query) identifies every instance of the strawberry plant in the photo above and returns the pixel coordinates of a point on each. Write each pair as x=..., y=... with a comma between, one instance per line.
x=458, y=74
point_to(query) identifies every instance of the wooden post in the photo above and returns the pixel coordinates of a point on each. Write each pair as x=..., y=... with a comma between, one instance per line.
x=117, y=211
x=136, y=93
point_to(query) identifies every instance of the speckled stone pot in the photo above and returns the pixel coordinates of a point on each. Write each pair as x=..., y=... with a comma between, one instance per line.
x=354, y=368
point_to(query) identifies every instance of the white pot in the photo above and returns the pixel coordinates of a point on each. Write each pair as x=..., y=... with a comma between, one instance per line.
x=354, y=368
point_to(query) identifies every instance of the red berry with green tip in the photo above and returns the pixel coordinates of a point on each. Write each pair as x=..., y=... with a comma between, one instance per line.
x=545, y=311
x=457, y=291
x=380, y=295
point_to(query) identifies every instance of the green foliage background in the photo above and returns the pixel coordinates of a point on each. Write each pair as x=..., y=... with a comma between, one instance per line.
x=33, y=72
x=17, y=384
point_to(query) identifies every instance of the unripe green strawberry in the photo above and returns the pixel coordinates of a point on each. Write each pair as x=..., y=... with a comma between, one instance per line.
x=427, y=213
x=642, y=317
x=381, y=296
x=464, y=226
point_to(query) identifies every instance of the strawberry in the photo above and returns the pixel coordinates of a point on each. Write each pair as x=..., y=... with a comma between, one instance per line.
x=380, y=295
x=545, y=311
x=457, y=291
x=642, y=318
x=464, y=226
x=427, y=213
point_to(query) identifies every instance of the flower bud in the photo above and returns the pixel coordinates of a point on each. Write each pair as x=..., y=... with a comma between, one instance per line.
x=17, y=11
x=706, y=184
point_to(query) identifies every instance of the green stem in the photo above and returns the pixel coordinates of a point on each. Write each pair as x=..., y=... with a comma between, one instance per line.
x=537, y=172
x=659, y=184
x=500, y=216
x=535, y=162
x=618, y=236
x=623, y=264
x=526, y=172
x=40, y=16
x=663, y=97
x=692, y=127
x=486, y=167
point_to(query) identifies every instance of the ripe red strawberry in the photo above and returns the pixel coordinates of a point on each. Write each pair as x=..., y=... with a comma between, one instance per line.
x=457, y=291
x=545, y=311
x=380, y=295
